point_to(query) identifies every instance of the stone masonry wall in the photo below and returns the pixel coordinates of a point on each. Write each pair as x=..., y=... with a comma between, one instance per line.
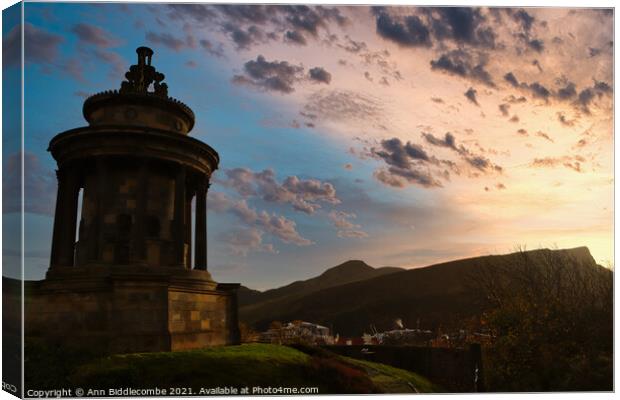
x=132, y=316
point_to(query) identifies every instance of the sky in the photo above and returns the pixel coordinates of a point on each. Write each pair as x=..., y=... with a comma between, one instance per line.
x=401, y=136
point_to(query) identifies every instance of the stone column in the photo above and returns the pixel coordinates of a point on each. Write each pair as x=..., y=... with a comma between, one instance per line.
x=201, y=225
x=65, y=218
x=56, y=235
x=139, y=229
x=188, y=225
x=99, y=196
x=179, y=215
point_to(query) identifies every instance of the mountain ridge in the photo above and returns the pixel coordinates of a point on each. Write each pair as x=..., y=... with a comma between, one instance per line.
x=436, y=294
x=346, y=272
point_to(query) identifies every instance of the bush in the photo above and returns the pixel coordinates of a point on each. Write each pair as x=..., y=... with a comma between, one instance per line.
x=551, y=315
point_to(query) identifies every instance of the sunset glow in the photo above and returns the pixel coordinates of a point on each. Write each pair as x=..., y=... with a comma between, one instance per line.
x=402, y=136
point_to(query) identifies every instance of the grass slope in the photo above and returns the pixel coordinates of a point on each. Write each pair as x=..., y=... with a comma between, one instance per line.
x=395, y=380
x=247, y=365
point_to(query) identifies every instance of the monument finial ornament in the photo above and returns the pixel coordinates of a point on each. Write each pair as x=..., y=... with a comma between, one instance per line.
x=140, y=76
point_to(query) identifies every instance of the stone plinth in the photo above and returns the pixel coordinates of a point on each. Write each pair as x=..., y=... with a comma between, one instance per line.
x=132, y=309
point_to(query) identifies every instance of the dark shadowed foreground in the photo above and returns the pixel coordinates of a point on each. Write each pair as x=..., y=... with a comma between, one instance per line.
x=255, y=365
x=549, y=312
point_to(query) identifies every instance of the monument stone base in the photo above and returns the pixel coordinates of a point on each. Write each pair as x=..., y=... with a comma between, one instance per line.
x=126, y=308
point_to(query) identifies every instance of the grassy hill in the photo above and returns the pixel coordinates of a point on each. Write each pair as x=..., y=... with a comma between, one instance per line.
x=252, y=365
x=438, y=295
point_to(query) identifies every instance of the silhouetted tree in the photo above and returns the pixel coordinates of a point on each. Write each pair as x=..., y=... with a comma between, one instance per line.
x=551, y=314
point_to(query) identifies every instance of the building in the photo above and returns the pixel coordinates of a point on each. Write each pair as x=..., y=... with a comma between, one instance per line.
x=125, y=274
x=297, y=332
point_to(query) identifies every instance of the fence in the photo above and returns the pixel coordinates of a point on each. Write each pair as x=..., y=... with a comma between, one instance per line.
x=456, y=370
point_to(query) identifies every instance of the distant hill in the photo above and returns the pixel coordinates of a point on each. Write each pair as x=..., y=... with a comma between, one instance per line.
x=438, y=295
x=347, y=272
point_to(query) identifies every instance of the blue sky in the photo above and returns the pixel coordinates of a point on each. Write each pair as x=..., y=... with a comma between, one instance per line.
x=400, y=136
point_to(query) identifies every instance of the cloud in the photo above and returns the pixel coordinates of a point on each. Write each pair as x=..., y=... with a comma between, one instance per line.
x=536, y=45
x=243, y=241
x=544, y=136
x=525, y=19
x=400, y=155
x=346, y=229
x=524, y=32
x=448, y=140
x=309, y=190
x=504, y=109
x=245, y=38
x=197, y=12
x=471, y=96
x=95, y=43
x=166, y=39
x=461, y=63
x=462, y=25
x=539, y=90
x=281, y=227
x=399, y=177
x=564, y=120
x=295, y=37
x=276, y=225
x=594, y=52
x=94, y=35
x=116, y=62
x=278, y=76
x=587, y=95
x=210, y=48
x=567, y=92
x=479, y=162
x=343, y=105
x=385, y=177
x=302, y=195
x=309, y=19
x=408, y=163
x=353, y=46
x=39, y=185
x=603, y=87
x=42, y=48
x=247, y=25
x=245, y=13
x=411, y=32
x=510, y=78
x=515, y=100
x=536, y=89
x=581, y=143
x=320, y=75
x=571, y=162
